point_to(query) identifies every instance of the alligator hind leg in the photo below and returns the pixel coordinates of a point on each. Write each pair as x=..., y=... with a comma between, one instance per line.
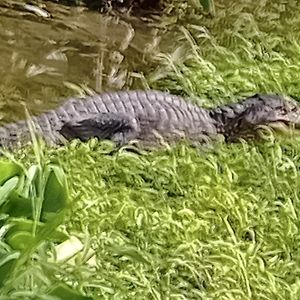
x=116, y=127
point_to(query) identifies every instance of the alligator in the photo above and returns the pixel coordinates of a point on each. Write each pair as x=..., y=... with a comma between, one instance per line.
x=152, y=117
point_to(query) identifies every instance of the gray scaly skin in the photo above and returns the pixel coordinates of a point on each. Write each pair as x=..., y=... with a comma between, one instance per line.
x=150, y=117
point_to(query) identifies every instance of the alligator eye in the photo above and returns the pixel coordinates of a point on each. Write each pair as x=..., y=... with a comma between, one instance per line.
x=284, y=110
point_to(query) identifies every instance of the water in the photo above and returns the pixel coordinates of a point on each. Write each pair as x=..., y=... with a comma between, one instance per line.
x=44, y=59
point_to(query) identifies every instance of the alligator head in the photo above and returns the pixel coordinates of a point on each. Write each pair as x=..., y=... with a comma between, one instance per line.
x=243, y=119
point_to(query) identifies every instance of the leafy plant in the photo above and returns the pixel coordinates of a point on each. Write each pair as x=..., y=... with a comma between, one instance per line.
x=20, y=189
x=33, y=203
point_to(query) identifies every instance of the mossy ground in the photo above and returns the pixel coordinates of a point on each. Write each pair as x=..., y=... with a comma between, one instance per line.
x=214, y=223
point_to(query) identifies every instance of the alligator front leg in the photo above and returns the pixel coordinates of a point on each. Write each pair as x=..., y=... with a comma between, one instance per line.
x=115, y=127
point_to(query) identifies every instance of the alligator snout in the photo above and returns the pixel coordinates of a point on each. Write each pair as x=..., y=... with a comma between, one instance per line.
x=285, y=112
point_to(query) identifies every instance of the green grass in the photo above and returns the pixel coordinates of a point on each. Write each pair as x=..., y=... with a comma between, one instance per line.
x=247, y=47
x=180, y=223
x=218, y=225
x=184, y=224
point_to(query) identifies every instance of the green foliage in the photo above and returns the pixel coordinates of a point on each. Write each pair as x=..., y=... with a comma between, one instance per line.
x=63, y=292
x=220, y=222
x=9, y=170
x=248, y=47
x=17, y=193
x=199, y=223
x=7, y=261
x=33, y=203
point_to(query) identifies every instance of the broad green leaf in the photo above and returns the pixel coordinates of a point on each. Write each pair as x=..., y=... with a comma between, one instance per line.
x=6, y=264
x=7, y=187
x=56, y=192
x=63, y=292
x=17, y=206
x=8, y=170
x=20, y=240
x=18, y=228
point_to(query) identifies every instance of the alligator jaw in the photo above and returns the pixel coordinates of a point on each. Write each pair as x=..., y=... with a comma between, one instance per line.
x=283, y=127
x=291, y=116
x=287, y=123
